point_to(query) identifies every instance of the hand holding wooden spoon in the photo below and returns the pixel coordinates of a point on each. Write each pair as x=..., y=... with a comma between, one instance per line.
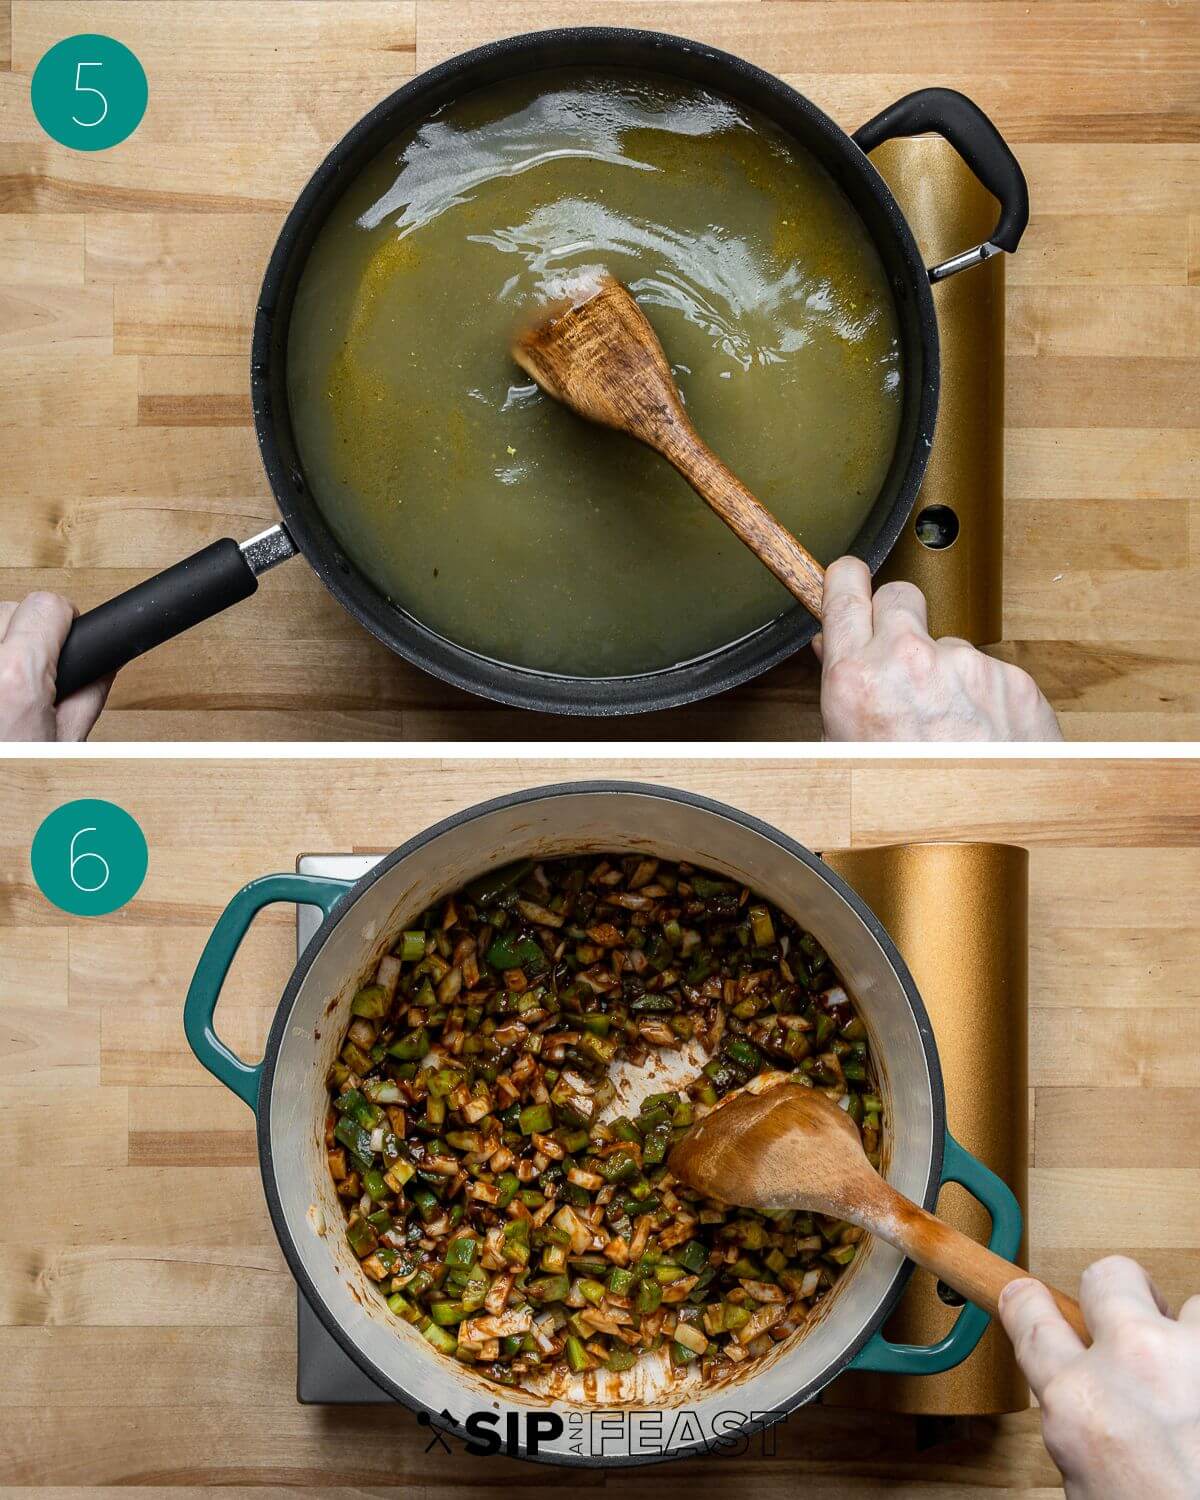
x=599, y=355
x=788, y=1146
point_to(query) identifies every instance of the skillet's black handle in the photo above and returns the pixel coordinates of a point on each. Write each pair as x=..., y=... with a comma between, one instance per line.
x=973, y=136
x=112, y=634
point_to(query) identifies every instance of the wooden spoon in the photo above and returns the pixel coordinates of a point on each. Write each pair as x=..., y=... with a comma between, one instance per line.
x=787, y=1146
x=599, y=355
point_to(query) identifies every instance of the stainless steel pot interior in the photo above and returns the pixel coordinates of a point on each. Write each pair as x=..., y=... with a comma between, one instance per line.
x=557, y=821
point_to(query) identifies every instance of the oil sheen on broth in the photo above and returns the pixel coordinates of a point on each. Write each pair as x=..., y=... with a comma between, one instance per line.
x=496, y=516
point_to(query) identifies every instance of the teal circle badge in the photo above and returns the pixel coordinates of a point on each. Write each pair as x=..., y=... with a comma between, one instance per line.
x=89, y=857
x=89, y=92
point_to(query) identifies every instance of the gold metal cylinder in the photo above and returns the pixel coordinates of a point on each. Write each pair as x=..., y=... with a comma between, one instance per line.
x=958, y=913
x=949, y=212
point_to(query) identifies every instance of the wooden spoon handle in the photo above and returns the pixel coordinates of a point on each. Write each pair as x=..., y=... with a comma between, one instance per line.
x=970, y=1268
x=790, y=561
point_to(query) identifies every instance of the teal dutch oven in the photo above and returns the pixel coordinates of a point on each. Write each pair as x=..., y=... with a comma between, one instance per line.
x=640, y=1416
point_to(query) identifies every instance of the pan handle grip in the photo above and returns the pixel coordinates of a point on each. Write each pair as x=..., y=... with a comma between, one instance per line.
x=961, y=122
x=110, y=636
x=223, y=942
x=958, y=1165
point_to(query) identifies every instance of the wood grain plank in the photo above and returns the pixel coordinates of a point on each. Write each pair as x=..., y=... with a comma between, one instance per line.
x=111, y=1206
x=766, y=712
x=301, y=724
x=1090, y=322
x=1117, y=1127
x=317, y=36
x=1090, y=888
x=94, y=390
x=1091, y=803
x=55, y=319
x=49, y=1049
x=62, y=1370
x=1102, y=463
x=79, y=1127
x=1111, y=692
x=1067, y=39
x=1072, y=1046
x=1118, y=966
x=194, y=250
x=362, y=804
x=1082, y=177
x=319, y=108
x=1100, y=249
x=1045, y=536
x=192, y=1127
x=1080, y=605
x=1089, y=1208
x=41, y=249
x=1064, y=391
x=1141, y=728
x=258, y=178
x=140, y=464
x=33, y=966
x=125, y=1285
x=193, y=1148
x=158, y=318
x=193, y=390
x=195, y=410
x=1114, y=108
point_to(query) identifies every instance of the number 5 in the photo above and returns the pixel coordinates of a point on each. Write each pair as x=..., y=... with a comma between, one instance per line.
x=78, y=859
x=84, y=88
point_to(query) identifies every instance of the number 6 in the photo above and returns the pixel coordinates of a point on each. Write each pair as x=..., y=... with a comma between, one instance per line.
x=85, y=88
x=78, y=859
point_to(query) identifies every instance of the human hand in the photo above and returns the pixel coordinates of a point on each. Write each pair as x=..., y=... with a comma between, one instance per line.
x=884, y=677
x=1121, y=1418
x=31, y=636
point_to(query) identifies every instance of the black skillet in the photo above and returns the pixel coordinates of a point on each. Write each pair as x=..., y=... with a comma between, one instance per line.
x=108, y=637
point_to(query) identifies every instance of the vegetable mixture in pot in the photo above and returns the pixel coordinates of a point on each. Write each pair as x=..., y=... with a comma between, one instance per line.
x=493, y=1189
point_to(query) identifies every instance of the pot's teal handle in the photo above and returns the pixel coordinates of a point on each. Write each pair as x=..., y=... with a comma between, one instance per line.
x=224, y=941
x=1005, y=1239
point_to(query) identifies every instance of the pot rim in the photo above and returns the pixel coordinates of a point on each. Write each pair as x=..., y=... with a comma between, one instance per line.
x=705, y=676
x=412, y=1399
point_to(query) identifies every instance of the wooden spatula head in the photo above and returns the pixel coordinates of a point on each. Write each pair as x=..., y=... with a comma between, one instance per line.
x=596, y=352
x=776, y=1144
